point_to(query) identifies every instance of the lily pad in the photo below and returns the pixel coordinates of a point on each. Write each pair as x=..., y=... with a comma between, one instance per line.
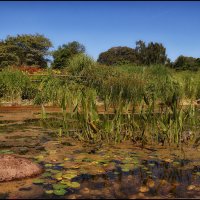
x=197, y=173
x=49, y=191
x=53, y=171
x=59, y=192
x=46, y=174
x=40, y=157
x=74, y=184
x=58, y=176
x=38, y=181
x=61, y=165
x=48, y=165
x=69, y=176
x=176, y=163
x=65, y=182
x=59, y=186
x=151, y=164
x=125, y=169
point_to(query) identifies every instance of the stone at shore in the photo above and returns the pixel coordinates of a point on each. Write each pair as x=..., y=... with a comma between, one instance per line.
x=14, y=167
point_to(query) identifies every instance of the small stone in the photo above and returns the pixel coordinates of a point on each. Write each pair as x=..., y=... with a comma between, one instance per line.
x=40, y=148
x=85, y=191
x=168, y=160
x=72, y=196
x=140, y=195
x=191, y=187
x=144, y=189
x=150, y=183
x=163, y=182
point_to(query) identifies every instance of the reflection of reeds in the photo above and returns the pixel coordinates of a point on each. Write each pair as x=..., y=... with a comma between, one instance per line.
x=43, y=113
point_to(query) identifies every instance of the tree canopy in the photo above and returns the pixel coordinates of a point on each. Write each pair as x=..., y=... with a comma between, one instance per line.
x=25, y=49
x=64, y=53
x=118, y=56
x=33, y=50
x=153, y=53
x=186, y=63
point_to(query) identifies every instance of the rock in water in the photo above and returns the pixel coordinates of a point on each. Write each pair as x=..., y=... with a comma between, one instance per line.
x=14, y=167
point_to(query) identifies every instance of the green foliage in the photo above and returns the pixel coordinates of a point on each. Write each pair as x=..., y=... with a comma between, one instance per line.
x=151, y=54
x=186, y=63
x=25, y=49
x=118, y=56
x=65, y=52
x=142, y=104
x=155, y=54
x=50, y=89
x=15, y=85
x=79, y=63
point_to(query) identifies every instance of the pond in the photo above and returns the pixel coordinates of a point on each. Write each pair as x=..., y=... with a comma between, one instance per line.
x=75, y=169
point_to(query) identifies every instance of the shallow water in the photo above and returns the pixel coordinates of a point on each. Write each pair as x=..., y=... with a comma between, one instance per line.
x=77, y=170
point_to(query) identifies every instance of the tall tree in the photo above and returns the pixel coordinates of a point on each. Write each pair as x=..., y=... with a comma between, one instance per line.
x=141, y=52
x=153, y=53
x=25, y=49
x=156, y=54
x=65, y=52
x=118, y=56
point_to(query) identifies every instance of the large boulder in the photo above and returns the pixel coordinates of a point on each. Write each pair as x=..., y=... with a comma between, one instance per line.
x=14, y=167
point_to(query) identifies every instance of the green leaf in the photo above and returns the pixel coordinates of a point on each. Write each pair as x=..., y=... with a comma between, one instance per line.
x=59, y=192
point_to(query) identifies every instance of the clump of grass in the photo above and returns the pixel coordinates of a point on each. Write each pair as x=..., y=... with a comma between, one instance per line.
x=15, y=85
x=79, y=63
x=50, y=89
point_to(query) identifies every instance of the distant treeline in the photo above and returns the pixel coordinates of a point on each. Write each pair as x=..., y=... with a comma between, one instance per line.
x=34, y=50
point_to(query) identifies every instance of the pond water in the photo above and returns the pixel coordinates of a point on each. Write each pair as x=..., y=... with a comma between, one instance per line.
x=78, y=170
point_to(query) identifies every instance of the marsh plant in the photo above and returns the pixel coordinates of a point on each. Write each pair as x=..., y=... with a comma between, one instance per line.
x=103, y=104
x=15, y=85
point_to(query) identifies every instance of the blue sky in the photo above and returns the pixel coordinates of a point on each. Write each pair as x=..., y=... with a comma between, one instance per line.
x=102, y=25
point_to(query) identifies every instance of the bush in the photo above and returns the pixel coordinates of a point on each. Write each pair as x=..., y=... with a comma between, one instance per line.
x=64, y=53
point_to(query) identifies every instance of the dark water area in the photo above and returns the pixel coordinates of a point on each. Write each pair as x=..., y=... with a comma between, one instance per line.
x=78, y=170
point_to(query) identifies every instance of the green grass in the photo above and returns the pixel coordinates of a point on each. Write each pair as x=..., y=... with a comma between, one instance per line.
x=135, y=93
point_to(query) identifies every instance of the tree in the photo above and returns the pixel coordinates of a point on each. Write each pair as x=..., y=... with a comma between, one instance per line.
x=8, y=55
x=118, y=56
x=186, y=63
x=153, y=53
x=141, y=52
x=25, y=49
x=65, y=52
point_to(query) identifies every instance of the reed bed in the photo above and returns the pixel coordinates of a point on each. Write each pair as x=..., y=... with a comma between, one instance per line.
x=145, y=102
